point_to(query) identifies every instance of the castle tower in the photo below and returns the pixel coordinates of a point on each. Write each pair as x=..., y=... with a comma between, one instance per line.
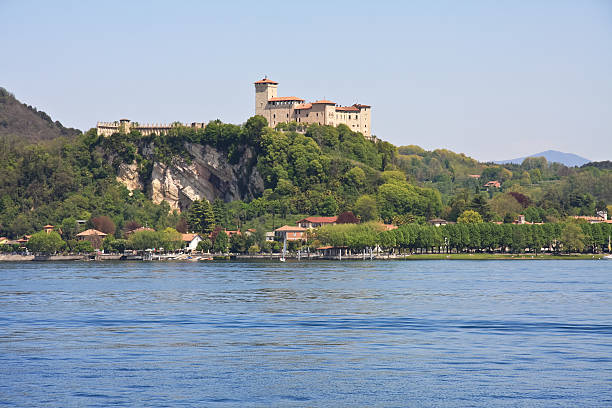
x=264, y=90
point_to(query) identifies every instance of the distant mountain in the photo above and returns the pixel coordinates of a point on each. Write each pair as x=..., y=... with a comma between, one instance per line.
x=25, y=122
x=569, y=159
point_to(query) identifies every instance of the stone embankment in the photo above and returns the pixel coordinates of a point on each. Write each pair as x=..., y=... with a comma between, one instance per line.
x=16, y=257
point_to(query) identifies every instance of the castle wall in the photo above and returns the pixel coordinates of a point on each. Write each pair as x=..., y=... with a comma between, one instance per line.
x=356, y=117
x=106, y=129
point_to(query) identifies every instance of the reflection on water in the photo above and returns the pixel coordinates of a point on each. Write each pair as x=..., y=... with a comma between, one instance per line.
x=431, y=333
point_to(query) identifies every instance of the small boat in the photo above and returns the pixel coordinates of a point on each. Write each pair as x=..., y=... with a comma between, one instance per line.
x=608, y=257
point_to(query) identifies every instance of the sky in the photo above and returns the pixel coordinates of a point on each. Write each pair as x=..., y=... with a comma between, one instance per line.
x=491, y=79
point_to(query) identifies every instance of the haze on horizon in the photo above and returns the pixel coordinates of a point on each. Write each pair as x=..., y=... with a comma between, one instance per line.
x=492, y=80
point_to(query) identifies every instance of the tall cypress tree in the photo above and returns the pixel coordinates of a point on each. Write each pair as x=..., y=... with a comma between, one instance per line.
x=201, y=217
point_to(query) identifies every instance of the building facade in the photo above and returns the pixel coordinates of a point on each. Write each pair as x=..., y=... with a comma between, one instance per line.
x=282, y=109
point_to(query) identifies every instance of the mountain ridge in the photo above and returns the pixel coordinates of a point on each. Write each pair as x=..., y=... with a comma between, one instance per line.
x=24, y=122
x=568, y=159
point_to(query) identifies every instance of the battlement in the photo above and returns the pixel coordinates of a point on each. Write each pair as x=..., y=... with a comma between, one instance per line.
x=125, y=126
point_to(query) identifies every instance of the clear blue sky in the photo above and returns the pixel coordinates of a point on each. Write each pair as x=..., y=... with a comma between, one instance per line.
x=492, y=79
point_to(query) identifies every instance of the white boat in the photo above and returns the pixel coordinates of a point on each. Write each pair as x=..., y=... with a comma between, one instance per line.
x=608, y=257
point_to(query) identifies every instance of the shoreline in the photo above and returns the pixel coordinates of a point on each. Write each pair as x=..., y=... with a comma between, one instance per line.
x=293, y=258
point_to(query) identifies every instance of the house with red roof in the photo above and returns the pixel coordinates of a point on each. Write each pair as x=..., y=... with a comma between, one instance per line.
x=92, y=235
x=316, y=222
x=292, y=233
x=191, y=241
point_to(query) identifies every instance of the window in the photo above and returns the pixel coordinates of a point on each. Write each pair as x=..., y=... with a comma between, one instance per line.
x=275, y=116
x=287, y=115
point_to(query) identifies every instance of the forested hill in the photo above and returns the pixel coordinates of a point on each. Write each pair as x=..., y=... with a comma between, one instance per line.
x=23, y=122
x=260, y=177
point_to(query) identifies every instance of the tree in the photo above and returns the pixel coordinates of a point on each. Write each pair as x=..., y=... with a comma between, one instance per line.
x=237, y=243
x=104, y=223
x=347, y=217
x=480, y=205
x=204, y=245
x=356, y=177
x=221, y=242
x=142, y=240
x=45, y=243
x=521, y=198
x=572, y=238
x=171, y=239
x=366, y=208
x=201, y=217
x=503, y=204
x=131, y=226
x=469, y=217
x=83, y=246
x=254, y=127
x=181, y=226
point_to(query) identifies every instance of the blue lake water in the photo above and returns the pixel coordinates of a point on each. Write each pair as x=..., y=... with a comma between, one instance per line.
x=355, y=333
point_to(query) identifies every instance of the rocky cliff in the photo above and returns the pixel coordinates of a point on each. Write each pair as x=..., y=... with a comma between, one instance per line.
x=208, y=174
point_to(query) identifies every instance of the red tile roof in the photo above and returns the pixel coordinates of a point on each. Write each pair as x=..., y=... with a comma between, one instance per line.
x=304, y=106
x=285, y=98
x=289, y=228
x=140, y=229
x=346, y=109
x=188, y=237
x=266, y=81
x=320, y=220
x=324, y=102
x=358, y=105
x=389, y=227
x=48, y=226
x=90, y=233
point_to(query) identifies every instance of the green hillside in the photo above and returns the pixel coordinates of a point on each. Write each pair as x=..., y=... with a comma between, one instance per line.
x=323, y=171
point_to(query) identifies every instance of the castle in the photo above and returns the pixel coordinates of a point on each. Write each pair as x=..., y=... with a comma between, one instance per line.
x=281, y=109
x=276, y=109
x=126, y=126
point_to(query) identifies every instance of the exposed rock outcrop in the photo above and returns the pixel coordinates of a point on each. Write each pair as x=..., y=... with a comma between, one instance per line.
x=128, y=175
x=207, y=175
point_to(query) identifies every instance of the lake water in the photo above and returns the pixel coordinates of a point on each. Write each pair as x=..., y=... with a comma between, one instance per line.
x=354, y=333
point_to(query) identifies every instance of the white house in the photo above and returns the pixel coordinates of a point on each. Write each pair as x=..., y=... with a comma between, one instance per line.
x=191, y=241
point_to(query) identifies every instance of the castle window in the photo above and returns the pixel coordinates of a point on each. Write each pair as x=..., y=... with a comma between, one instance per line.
x=275, y=116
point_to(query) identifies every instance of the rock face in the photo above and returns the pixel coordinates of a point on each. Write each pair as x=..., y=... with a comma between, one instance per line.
x=208, y=175
x=128, y=175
